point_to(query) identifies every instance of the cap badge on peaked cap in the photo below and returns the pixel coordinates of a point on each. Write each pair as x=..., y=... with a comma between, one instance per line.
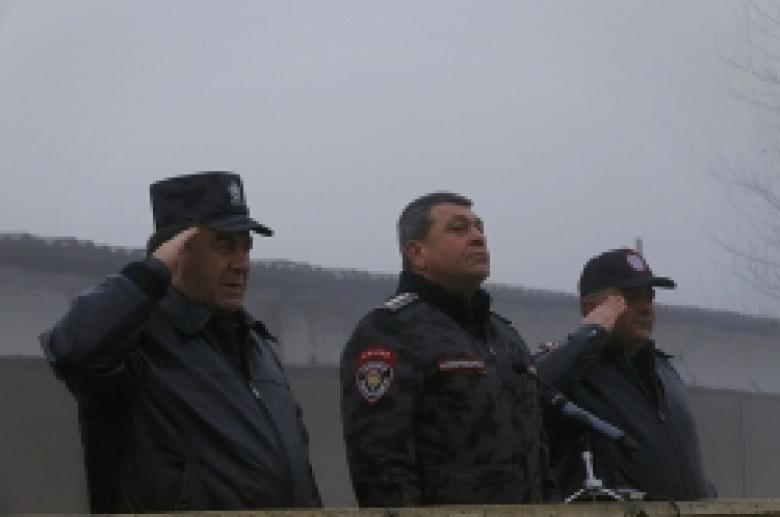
x=236, y=194
x=215, y=199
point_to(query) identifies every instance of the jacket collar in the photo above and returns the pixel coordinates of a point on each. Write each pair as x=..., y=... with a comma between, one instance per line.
x=190, y=316
x=466, y=311
x=648, y=350
x=644, y=360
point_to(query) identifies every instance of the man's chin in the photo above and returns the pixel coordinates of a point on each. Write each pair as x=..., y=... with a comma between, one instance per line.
x=636, y=336
x=475, y=278
x=481, y=274
x=642, y=335
x=230, y=304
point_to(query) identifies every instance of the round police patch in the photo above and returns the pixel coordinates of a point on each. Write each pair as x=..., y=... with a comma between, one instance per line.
x=374, y=372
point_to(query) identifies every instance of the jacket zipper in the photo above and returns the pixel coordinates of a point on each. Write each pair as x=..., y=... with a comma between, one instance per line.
x=676, y=448
x=261, y=404
x=661, y=417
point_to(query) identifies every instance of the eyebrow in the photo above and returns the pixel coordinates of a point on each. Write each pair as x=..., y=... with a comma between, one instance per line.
x=227, y=237
x=461, y=217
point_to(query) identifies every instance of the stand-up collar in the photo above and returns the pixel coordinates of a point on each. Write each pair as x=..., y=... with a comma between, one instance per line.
x=466, y=311
x=190, y=316
x=184, y=313
x=643, y=354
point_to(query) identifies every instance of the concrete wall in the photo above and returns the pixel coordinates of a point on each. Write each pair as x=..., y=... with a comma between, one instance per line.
x=42, y=471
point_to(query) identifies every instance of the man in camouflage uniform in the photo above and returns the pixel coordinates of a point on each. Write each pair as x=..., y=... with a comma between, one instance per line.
x=433, y=411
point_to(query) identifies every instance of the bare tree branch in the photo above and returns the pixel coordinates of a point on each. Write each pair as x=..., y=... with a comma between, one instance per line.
x=753, y=183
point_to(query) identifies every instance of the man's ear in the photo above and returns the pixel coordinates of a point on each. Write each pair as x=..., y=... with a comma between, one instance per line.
x=591, y=300
x=414, y=252
x=586, y=305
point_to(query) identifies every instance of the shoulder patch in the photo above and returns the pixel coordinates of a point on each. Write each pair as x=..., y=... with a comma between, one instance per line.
x=374, y=373
x=399, y=301
x=501, y=318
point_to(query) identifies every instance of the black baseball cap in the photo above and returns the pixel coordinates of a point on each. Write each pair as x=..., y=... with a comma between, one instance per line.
x=214, y=199
x=620, y=268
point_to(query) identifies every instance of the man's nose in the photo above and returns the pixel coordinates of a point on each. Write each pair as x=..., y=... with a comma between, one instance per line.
x=476, y=236
x=644, y=303
x=240, y=260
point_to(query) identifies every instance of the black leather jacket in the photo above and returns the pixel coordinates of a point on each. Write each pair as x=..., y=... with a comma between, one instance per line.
x=167, y=421
x=646, y=398
x=433, y=411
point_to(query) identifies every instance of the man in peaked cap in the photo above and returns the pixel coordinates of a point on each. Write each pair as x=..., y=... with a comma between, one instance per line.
x=183, y=403
x=611, y=367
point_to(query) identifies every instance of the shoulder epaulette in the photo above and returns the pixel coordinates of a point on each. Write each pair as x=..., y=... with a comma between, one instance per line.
x=502, y=318
x=399, y=301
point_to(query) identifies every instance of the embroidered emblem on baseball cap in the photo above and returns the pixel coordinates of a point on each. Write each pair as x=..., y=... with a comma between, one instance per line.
x=636, y=262
x=622, y=268
x=374, y=372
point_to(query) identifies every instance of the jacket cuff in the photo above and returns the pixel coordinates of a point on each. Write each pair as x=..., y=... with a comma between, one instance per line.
x=587, y=339
x=586, y=332
x=151, y=276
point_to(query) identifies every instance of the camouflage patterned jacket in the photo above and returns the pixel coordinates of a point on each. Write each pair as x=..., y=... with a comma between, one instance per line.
x=433, y=412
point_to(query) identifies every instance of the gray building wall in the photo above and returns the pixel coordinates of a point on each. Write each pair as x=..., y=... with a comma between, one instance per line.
x=42, y=472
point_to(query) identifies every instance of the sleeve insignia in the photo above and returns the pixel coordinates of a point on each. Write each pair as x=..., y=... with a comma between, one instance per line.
x=399, y=301
x=453, y=364
x=374, y=372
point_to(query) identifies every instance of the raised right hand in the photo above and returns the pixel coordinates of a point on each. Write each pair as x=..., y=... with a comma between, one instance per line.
x=607, y=312
x=169, y=252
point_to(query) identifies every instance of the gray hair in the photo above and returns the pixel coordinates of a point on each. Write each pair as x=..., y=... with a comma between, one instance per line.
x=415, y=220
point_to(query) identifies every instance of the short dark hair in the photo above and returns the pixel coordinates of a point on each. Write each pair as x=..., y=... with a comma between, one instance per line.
x=164, y=234
x=415, y=220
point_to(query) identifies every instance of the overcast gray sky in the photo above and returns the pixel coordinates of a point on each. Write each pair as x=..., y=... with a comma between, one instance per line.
x=574, y=126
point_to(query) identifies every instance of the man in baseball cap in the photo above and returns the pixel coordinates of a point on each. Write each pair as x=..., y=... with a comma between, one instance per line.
x=183, y=403
x=621, y=268
x=611, y=367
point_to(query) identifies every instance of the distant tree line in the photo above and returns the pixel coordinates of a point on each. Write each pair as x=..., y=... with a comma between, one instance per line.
x=287, y=284
x=63, y=255
x=84, y=257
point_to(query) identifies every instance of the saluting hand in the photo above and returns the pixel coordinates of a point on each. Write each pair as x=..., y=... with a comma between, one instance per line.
x=607, y=312
x=169, y=252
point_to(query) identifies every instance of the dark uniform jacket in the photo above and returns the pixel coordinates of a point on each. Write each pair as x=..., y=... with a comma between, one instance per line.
x=170, y=417
x=433, y=412
x=644, y=397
